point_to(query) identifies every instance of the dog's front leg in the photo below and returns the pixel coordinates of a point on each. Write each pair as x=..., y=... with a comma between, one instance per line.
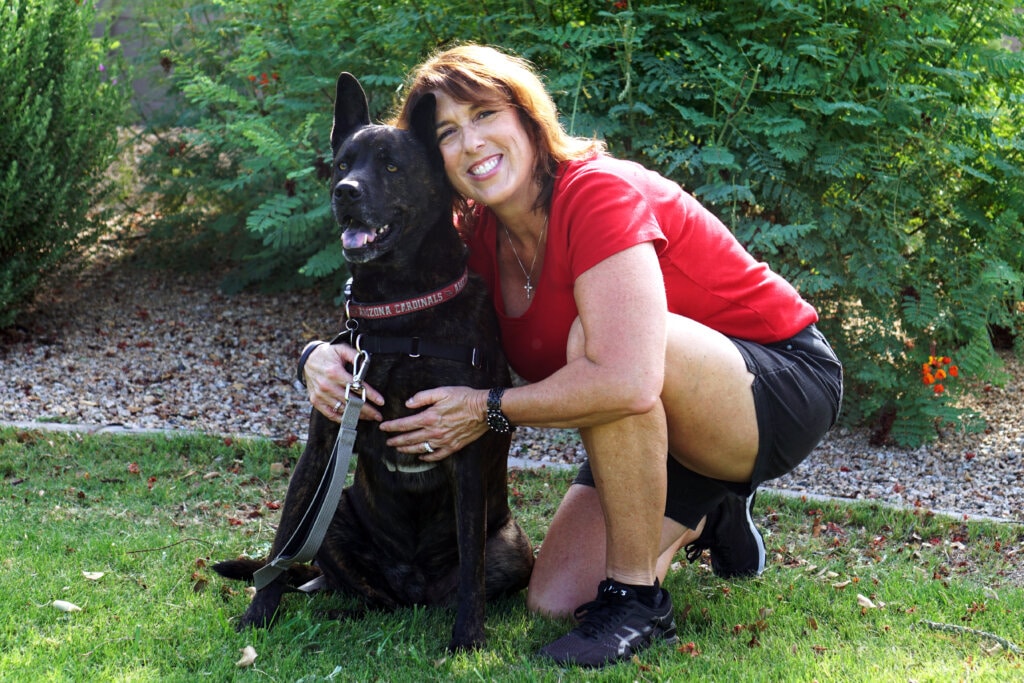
x=301, y=491
x=466, y=473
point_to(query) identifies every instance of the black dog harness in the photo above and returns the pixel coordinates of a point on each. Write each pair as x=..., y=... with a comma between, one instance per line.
x=414, y=347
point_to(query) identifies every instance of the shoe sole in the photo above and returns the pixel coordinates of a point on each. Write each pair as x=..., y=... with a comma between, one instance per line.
x=748, y=505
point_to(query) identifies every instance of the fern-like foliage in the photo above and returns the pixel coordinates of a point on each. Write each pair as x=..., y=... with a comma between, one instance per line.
x=870, y=152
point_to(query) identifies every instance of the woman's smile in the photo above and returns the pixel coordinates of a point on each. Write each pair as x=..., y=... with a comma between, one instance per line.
x=483, y=168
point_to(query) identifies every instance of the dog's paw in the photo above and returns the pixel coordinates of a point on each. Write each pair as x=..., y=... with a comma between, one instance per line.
x=262, y=609
x=256, y=618
x=465, y=644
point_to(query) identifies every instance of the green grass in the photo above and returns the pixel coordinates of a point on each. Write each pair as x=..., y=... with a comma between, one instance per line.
x=152, y=514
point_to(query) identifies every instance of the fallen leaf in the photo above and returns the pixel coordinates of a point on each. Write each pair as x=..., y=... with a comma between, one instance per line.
x=841, y=585
x=65, y=606
x=865, y=602
x=93, y=576
x=248, y=656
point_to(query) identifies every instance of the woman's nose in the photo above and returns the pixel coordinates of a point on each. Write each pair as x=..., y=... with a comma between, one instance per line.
x=471, y=137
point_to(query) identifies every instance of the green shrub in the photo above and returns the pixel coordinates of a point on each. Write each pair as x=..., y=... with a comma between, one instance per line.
x=61, y=106
x=869, y=152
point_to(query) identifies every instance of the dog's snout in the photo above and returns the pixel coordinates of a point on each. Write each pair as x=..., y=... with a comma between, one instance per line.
x=347, y=190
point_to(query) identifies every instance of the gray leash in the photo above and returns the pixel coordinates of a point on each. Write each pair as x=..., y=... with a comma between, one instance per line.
x=331, y=483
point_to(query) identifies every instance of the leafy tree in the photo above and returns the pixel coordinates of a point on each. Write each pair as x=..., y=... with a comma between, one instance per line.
x=869, y=152
x=61, y=106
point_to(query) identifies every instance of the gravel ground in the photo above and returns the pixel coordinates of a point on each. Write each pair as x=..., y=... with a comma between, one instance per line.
x=133, y=348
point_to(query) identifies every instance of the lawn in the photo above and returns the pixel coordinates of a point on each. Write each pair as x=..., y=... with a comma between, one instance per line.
x=107, y=543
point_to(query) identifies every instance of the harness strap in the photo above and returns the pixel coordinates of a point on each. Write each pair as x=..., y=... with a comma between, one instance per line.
x=328, y=493
x=414, y=347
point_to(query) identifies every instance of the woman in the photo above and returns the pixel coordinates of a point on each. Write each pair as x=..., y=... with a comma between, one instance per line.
x=692, y=372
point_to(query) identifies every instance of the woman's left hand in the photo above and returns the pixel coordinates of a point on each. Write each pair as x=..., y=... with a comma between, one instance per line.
x=449, y=419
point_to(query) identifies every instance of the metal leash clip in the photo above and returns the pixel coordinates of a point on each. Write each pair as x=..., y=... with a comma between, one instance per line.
x=359, y=366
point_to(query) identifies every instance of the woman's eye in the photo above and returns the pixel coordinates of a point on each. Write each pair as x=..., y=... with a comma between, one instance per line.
x=445, y=134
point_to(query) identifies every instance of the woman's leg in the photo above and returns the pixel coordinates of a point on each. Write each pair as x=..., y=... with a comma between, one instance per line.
x=571, y=560
x=619, y=529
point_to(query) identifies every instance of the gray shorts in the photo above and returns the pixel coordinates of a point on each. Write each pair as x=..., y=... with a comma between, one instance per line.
x=798, y=389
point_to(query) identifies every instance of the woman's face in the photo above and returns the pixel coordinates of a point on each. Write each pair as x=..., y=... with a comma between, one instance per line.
x=487, y=153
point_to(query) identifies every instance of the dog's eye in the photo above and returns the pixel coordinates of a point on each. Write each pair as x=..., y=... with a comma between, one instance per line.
x=392, y=168
x=342, y=166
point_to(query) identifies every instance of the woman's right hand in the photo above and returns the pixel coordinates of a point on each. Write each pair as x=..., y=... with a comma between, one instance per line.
x=327, y=377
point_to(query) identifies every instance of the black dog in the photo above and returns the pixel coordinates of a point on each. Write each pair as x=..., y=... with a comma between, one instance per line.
x=404, y=533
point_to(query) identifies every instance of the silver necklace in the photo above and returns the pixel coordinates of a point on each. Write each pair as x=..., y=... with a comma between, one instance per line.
x=528, y=287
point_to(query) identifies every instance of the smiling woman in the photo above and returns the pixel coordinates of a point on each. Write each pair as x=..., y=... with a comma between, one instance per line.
x=613, y=248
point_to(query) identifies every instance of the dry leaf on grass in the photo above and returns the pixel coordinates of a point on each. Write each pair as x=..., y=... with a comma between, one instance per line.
x=865, y=602
x=65, y=606
x=93, y=576
x=248, y=656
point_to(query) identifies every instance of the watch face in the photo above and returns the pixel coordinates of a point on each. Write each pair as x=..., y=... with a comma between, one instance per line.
x=498, y=422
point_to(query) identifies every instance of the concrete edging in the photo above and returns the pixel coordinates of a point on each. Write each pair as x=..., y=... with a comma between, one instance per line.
x=514, y=462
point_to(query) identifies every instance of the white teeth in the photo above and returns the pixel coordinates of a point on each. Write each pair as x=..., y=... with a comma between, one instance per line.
x=485, y=167
x=383, y=229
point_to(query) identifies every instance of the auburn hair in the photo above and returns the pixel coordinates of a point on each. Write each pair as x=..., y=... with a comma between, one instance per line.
x=480, y=74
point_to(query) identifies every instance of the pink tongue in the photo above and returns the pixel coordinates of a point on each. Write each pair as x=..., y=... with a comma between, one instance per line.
x=354, y=239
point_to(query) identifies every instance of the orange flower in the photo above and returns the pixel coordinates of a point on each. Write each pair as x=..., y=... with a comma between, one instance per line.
x=940, y=374
x=928, y=378
x=954, y=371
x=939, y=389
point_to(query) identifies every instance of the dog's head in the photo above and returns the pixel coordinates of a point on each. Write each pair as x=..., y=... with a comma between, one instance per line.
x=388, y=184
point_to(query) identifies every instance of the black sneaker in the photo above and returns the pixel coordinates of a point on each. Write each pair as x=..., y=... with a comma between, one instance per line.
x=737, y=548
x=614, y=626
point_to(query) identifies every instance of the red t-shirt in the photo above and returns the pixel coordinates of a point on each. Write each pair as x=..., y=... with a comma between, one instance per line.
x=604, y=205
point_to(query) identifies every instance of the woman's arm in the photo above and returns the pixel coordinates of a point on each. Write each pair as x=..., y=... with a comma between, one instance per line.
x=615, y=368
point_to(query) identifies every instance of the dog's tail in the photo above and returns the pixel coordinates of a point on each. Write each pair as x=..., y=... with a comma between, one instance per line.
x=240, y=569
x=243, y=569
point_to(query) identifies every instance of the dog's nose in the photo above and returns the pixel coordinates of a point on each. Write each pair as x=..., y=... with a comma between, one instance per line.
x=347, y=190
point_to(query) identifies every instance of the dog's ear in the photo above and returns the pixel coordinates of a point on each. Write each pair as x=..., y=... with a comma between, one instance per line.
x=423, y=123
x=350, y=109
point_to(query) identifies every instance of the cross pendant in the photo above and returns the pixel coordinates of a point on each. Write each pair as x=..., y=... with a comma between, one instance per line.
x=529, y=289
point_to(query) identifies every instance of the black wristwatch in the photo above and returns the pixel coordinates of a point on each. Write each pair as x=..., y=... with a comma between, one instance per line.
x=496, y=419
